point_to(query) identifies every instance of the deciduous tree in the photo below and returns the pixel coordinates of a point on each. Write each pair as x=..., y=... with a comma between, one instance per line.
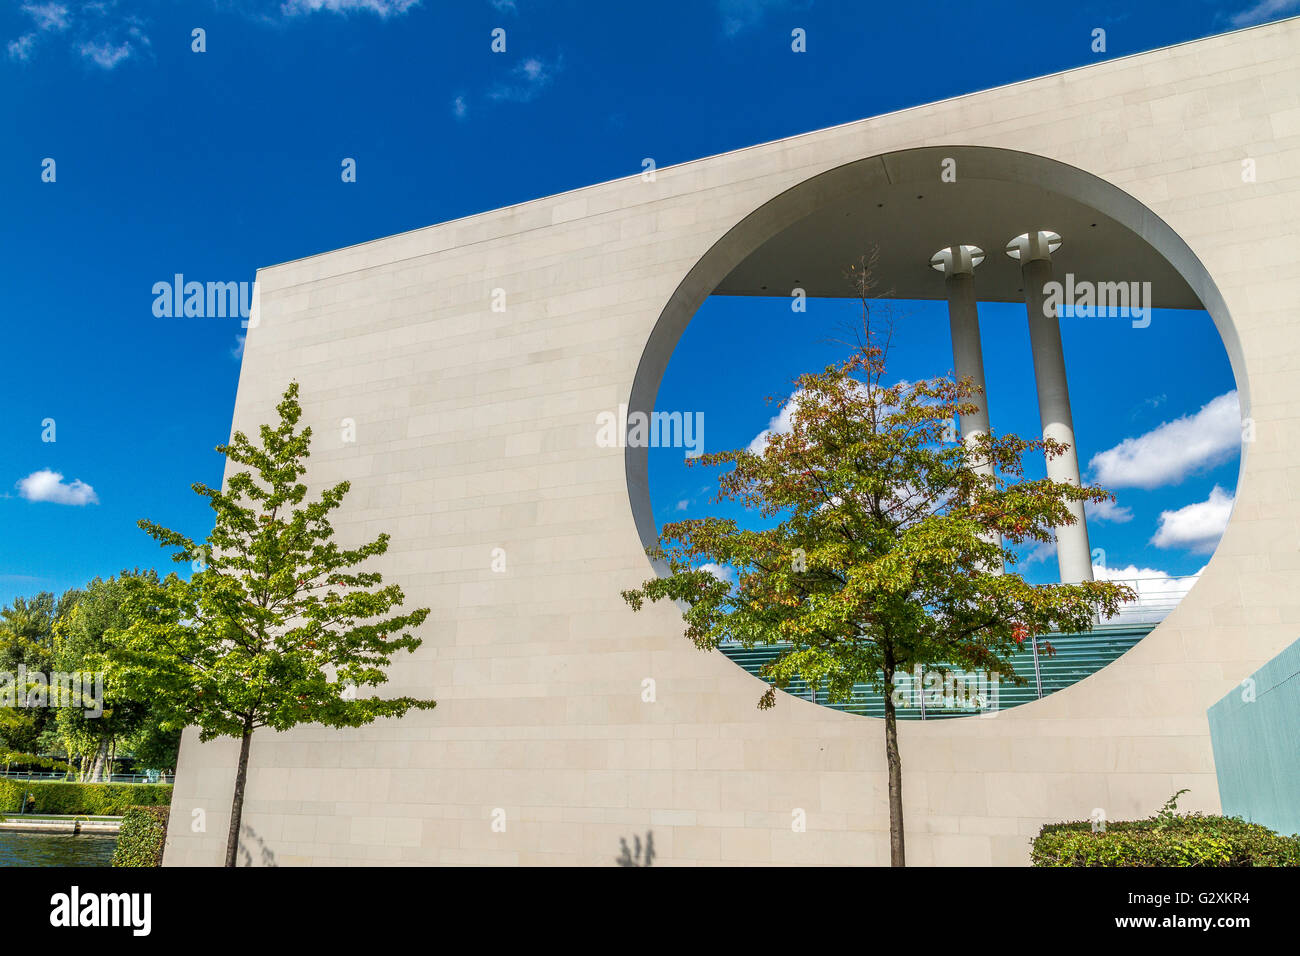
x=886, y=543
x=278, y=625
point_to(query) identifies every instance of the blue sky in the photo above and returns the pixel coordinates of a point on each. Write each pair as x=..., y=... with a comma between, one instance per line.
x=1155, y=413
x=211, y=164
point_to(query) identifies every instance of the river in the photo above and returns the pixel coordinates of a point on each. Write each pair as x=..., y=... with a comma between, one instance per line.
x=55, y=849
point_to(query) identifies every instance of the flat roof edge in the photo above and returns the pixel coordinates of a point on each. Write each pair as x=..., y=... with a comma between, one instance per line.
x=786, y=139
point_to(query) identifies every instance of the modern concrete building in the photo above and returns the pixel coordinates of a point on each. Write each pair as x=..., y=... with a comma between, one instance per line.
x=475, y=356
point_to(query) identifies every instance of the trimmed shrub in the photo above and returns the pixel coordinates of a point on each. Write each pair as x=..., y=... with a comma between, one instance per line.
x=92, y=799
x=1191, y=839
x=142, y=837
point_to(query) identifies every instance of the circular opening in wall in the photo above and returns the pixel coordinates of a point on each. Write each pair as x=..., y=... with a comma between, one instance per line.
x=1149, y=353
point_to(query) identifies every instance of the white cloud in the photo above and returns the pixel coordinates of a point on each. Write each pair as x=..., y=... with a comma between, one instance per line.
x=740, y=15
x=21, y=49
x=723, y=573
x=1264, y=11
x=46, y=485
x=1041, y=551
x=505, y=6
x=1108, y=510
x=531, y=77
x=683, y=504
x=1174, y=450
x=381, y=8
x=1158, y=592
x=781, y=424
x=48, y=16
x=459, y=107
x=106, y=54
x=100, y=33
x=1196, y=527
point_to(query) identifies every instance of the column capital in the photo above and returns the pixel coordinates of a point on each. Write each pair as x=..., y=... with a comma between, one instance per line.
x=1029, y=246
x=957, y=260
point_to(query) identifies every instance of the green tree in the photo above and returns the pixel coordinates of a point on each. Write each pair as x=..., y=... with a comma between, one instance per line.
x=276, y=626
x=154, y=746
x=27, y=642
x=27, y=631
x=95, y=732
x=887, y=544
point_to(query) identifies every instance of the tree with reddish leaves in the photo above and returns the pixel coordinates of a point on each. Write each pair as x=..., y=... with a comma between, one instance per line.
x=890, y=545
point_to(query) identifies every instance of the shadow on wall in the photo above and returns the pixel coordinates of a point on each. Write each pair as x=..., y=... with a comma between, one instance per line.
x=637, y=854
x=264, y=852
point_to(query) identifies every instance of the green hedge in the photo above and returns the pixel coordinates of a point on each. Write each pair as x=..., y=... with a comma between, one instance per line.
x=93, y=799
x=142, y=837
x=1191, y=839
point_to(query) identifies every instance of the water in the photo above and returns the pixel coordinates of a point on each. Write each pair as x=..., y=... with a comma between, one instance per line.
x=55, y=849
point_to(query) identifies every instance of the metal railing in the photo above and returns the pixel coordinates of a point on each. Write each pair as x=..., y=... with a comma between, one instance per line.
x=50, y=775
x=1156, y=597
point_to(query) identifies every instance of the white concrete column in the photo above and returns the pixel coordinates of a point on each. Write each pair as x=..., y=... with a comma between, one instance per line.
x=957, y=263
x=1034, y=252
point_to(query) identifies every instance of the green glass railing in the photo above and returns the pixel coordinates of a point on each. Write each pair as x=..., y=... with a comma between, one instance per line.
x=936, y=696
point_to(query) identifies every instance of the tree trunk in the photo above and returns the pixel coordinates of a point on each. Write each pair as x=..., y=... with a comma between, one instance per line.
x=97, y=768
x=896, y=855
x=237, y=804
